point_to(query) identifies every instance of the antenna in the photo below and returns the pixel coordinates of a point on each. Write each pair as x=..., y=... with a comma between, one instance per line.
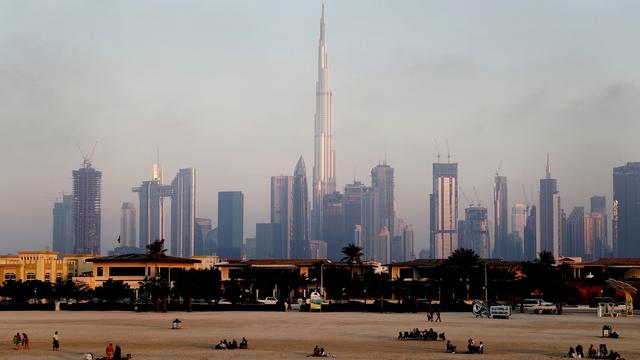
x=524, y=192
x=437, y=150
x=499, y=167
x=548, y=168
x=448, y=152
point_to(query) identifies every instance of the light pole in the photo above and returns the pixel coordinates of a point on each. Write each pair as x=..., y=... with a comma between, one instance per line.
x=322, y=280
x=486, y=290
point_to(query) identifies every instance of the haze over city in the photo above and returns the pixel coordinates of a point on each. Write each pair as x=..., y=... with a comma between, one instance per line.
x=227, y=87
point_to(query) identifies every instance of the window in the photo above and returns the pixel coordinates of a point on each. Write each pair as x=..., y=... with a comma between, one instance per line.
x=59, y=277
x=47, y=277
x=69, y=276
x=100, y=271
x=126, y=271
x=31, y=276
x=10, y=276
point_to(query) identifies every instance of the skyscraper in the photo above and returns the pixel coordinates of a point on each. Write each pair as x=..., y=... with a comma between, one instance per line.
x=407, y=242
x=549, y=230
x=368, y=231
x=353, y=210
x=444, y=210
x=230, y=224
x=282, y=213
x=626, y=210
x=382, y=246
x=382, y=184
x=183, y=213
x=476, y=230
x=500, y=220
x=300, y=237
x=86, y=208
x=128, y=220
x=63, y=230
x=334, y=225
x=202, y=229
x=574, y=242
x=518, y=220
x=324, y=181
x=600, y=228
x=268, y=241
x=151, y=196
x=530, y=234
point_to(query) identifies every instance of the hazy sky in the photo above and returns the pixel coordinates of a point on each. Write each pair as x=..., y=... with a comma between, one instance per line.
x=228, y=87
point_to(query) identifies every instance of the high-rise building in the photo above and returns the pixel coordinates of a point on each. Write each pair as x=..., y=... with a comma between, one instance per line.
x=230, y=224
x=626, y=210
x=282, y=213
x=202, y=229
x=268, y=241
x=86, y=208
x=382, y=184
x=574, y=242
x=317, y=249
x=128, y=220
x=183, y=213
x=368, y=231
x=382, y=246
x=334, y=225
x=444, y=210
x=324, y=180
x=518, y=220
x=530, y=234
x=549, y=232
x=502, y=246
x=151, y=195
x=407, y=243
x=63, y=230
x=476, y=230
x=300, y=237
x=353, y=211
x=600, y=229
x=250, y=248
x=211, y=242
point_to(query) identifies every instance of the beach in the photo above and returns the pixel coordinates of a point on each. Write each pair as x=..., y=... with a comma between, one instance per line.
x=292, y=335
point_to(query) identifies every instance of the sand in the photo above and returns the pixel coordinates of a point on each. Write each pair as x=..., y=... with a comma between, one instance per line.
x=274, y=335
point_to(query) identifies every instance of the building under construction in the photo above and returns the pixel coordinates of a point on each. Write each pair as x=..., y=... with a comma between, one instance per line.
x=86, y=208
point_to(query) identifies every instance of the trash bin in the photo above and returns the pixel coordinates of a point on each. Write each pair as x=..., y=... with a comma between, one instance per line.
x=176, y=324
x=606, y=331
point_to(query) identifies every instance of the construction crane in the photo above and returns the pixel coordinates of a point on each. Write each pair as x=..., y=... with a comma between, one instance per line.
x=477, y=197
x=466, y=198
x=86, y=159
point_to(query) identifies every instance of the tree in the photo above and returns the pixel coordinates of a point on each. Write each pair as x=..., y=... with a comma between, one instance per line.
x=546, y=259
x=460, y=273
x=352, y=254
x=113, y=290
x=156, y=249
x=72, y=290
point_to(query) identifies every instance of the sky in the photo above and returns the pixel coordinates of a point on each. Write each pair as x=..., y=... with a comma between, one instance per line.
x=228, y=87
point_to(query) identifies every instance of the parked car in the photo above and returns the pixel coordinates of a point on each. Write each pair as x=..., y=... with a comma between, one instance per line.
x=269, y=300
x=536, y=302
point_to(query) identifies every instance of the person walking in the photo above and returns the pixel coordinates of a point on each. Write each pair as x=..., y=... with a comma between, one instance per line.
x=438, y=316
x=16, y=339
x=25, y=341
x=56, y=342
x=117, y=354
x=109, y=351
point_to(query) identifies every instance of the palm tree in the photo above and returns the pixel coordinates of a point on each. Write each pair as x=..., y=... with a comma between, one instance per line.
x=353, y=254
x=546, y=258
x=156, y=249
x=461, y=269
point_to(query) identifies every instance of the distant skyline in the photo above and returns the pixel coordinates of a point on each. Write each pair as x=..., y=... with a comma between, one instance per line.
x=227, y=87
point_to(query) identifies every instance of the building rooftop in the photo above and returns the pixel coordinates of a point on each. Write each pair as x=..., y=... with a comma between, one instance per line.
x=143, y=258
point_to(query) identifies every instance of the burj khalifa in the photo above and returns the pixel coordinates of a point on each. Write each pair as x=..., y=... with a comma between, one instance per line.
x=324, y=166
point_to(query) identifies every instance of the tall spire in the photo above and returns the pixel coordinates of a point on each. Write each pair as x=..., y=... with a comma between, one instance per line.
x=548, y=168
x=324, y=156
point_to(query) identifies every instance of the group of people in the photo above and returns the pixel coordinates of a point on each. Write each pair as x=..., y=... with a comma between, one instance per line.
x=600, y=353
x=319, y=352
x=473, y=348
x=230, y=345
x=450, y=347
x=111, y=352
x=417, y=334
x=21, y=341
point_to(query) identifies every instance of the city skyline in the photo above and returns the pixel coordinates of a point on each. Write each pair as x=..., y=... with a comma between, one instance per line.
x=610, y=92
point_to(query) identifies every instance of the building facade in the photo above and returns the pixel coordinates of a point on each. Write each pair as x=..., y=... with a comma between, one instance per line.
x=87, y=183
x=183, y=213
x=63, y=229
x=502, y=246
x=230, y=224
x=300, y=237
x=549, y=232
x=282, y=213
x=444, y=210
x=626, y=210
x=128, y=219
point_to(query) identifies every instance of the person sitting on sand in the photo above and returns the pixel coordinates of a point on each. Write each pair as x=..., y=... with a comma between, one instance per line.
x=323, y=353
x=571, y=353
x=316, y=351
x=603, y=352
x=117, y=353
x=592, y=352
x=88, y=356
x=579, y=351
x=480, y=348
x=109, y=351
x=244, y=344
x=234, y=344
x=450, y=347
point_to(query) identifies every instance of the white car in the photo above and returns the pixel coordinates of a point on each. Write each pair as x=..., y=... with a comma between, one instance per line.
x=270, y=300
x=536, y=302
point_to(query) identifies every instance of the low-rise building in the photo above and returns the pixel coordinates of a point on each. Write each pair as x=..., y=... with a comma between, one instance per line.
x=43, y=266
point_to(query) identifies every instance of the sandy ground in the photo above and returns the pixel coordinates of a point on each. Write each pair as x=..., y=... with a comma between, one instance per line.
x=292, y=335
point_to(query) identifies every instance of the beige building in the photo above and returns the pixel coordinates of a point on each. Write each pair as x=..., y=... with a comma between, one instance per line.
x=43, y=266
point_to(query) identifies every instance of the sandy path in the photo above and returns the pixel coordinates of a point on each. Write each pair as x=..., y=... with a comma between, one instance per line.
x=292, y=335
